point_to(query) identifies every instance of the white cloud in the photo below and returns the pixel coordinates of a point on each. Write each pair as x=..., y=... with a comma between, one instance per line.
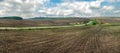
x=112, y=0
x=74, y=8
x=23, y=8
x=95, y=4
x=108, y=8
x=32, y=8
x=117, y=11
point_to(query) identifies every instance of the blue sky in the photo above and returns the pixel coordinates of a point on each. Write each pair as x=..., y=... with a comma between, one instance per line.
x=55, y=1
x=62, y=8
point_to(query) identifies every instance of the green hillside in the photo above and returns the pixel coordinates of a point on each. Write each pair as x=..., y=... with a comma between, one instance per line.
x=12, y=17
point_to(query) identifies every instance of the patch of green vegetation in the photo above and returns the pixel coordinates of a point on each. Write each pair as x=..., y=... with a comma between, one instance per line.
x=113, y=30
x=92, y=22
x=114, y=27
x=89, y=23
x=111, y=24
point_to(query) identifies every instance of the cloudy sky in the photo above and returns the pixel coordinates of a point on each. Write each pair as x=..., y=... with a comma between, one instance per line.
x=76, y=8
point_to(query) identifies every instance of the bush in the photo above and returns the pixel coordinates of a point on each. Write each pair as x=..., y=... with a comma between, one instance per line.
x=95, y=22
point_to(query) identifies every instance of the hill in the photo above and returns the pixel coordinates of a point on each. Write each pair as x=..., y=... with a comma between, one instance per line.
x=12, y=17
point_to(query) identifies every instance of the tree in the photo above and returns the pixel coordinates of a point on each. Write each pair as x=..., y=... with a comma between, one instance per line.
x=92, y=22
x=95, y=22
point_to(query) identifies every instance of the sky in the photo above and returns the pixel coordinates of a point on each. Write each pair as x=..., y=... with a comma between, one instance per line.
x=60, y=8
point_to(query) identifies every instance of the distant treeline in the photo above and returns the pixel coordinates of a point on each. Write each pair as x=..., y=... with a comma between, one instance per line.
x=12, y=17
x=55, y=18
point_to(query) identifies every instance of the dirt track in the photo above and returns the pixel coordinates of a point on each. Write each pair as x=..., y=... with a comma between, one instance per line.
x=94, y=40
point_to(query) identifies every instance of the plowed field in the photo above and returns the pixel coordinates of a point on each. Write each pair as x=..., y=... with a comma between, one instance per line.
x=94, y=39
